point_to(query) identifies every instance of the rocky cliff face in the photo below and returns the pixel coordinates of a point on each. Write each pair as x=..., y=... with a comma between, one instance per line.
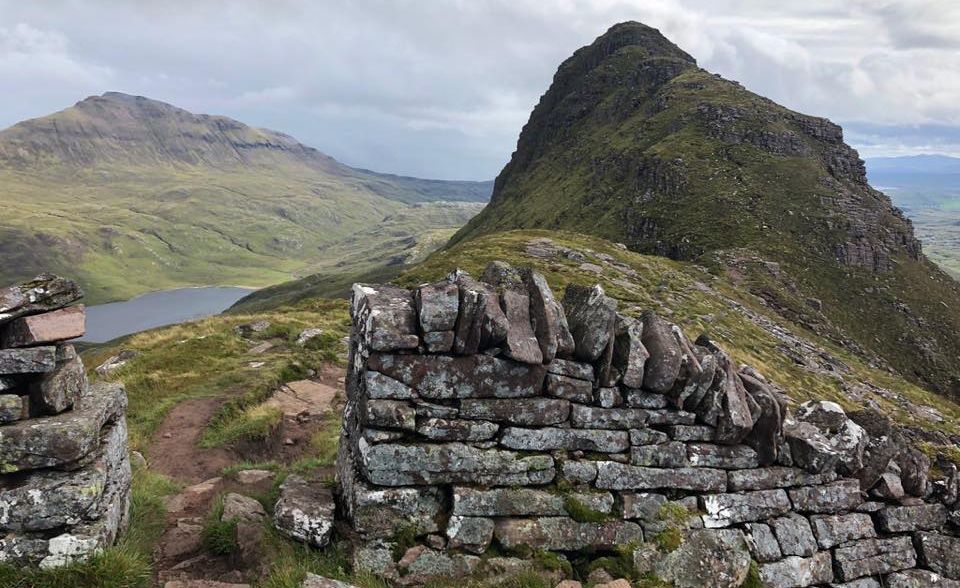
x=635, y=143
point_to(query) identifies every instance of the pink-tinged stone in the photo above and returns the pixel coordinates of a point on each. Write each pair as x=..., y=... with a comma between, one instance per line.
x=58, y=325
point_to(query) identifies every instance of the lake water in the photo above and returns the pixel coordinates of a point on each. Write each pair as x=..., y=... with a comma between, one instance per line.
x=156, y=309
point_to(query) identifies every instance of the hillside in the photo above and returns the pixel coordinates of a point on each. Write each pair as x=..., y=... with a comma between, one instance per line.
x=129, y=195
x=634, y=142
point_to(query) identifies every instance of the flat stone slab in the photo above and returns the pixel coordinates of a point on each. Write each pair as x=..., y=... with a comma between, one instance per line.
x=389, y=464
x=723, y=510
x=612, y=475
x=725, y=457
x=828, y=498
x=833, y=530
x=520, y=502
x=572, y=369
x=63, y=440
x=456, y=429
x=31, y=360
x=549, y=438
x=303, y=396
x=872, y=557
x=472, y=376
x=305, y=511
x=44, y=293
x=776, y=477
x=533, y=412
x=590, y=417
x=903, y=519
x=565, y=534
x=50, y=327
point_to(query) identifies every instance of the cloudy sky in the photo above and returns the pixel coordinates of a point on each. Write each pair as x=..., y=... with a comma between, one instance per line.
x=441, y=88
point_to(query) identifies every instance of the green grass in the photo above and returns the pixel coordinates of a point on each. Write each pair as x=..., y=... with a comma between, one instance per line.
x=219, y=536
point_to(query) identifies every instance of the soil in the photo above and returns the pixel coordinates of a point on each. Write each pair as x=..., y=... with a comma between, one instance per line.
x=175, y=450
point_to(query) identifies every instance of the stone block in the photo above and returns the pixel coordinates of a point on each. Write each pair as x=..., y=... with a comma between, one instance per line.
x=617, y=476
x=833, y=530
x=715, y=558
x=609, y=397
x=385, y=317
x=579, y=471
x=438, y=341
x=473, y=534
x=384, y=387
x=873, y=557
x=629, y=354
x=390, y=414
x=591, y=316
x=918, y=578
x=380, y=512
x=549, y=320
x=44, y=293
x=437, y=306
x=665, y=455
x=644, y=399
x=571, y=369
x=725, y=457
x=762, y=543
x=521, y=344
x=533, y=412
x=691, y=433
x=524, y=502
x=798, y=572
x=50, y=327
x=776, y=477
x=12, y=408
x=904, y=519
x=305, y=511
x=665, y=355
x=456, y=429
x=569, y=388
x=550, y=438
x=31, y=360
x=939, y=553
x=828, y=498
x=565, y=534
x=591, y=417
x=56, y=391
x=656, y=418
x=794, y=535
x=474, y=376
x=724, y=510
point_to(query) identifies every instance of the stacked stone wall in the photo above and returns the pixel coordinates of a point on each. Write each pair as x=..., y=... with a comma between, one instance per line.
x=64, y=469
x=484, y=413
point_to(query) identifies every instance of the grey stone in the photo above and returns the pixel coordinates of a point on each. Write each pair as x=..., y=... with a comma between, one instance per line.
x=565, y=534
x=724, y=510
x=522, y=502
x=381, y=512
x=833, y=530
x=794, y=535
x=665, y=356
x=475, y=376
x=617, y=476
x=437, y=306
x=240, y=507
x=315, y=581
x=766, y=437
x=664, y=455
x=939, y=553
x=549, y=321
x=381, y=436
x=521, y=344
x=656, y=418
x=776, y=477
x=902, y=519
x=61, y=441
x=828, y=498
x=725, y=457
x=914, y=471
x=421, y=564
x=456, y=429
x=798, y=572
x=438, y=341
x=629, y=354
x=809, y=448
x=609, y=397
x=385, y=317
x=550, y=438
x=845, y=437
x=247, y=330
x=569, y=388
x=762, y=543
x=883, y=445
x=43, y=293
x=471, y=533
x=56, y=391
x=591, y=316
x=384, y=387
x=503, y=276
x=918, y=578
x=390, y=414
x=31, y=360
x=481, y=323
x=305, y=511
x=735, y=420
x=571, y=369
x=579, y=472
x=647, y=437
x=691, y=433
x=375, y=558
x=858, y=583
x=11, y=408
x=529, y=412
x=718, y=557
x=873, y=557
x=451, y=463
x=591, y=417
x=644, y=399
x=115, y=362
x=429, y=410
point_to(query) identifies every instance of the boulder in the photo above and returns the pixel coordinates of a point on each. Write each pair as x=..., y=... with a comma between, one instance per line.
x=50, y=327
x=437, y=306
x=550, y=438
x=242, y=508
x=833, y=530
x=720, y=556
x=305, y=511
x=565, y=534
x=798, y=572
x=44, y=293
x=665, y=356
x=474, y=376
x=533, y=412
x=629, y=354
x=308, y=335
x=873, y=557
x=247, y=330
x=724, y=510
x=591, y=315
x=809, y=448
x=845, y=437
x=115, y=362
x=549, y=321
x=389, y=464
x=31, y=360
x=617, y=476
x=385, y=317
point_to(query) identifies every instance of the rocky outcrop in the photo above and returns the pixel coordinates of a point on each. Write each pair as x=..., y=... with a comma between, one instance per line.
x=629, y=432
x=64, y=468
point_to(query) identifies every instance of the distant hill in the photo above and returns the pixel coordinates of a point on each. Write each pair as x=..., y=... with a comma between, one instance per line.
x=635, y=143
x=130, y=194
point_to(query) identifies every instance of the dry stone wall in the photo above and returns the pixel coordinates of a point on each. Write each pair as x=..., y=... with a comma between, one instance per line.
x=485, y=413
x=64, y=468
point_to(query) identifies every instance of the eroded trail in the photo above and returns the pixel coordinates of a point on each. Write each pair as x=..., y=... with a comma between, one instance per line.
x=175, y=450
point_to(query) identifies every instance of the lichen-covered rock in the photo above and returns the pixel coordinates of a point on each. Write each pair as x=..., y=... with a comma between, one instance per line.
x=725, y=457
x=456, y=429
x=315, y=581
x=617, y=476
x=665, y=356
x=521, y=343
x=872, y=557
x=58, y=390
x=794, y=535
x=735, y=420
x=914, y=471
x=569, y=388
x=471, y=533
x=776, y=477
x=63, y=440
x=385, y=317
x=664, y=455
x=481, y=323
x=237, y=507
x=44, y=293
x=571, y=369
x=565, y=534
x=550, y=438
x=918, y=578
x=833, y=530
x=421, y=564
x=502, y=502
x=305, y=511
x=438, y=341
x=883, y=445
x=629, y=354
x=379, y=513
x=525, y=411
x=845, y=437
x=809, y=448
x=115, y=362
x=384, y=387
x=390, y=414
x=903, y=519
x=12, y=408
x=724, y=510
x=939, y=553
x=437, y=306
x=390, y=464
x=591, y=315
x=474, y=376
x=30, y=360
x=648, y=437
x=798, y=572
x=644, y=399
x=719, y=559
x=591, y=417
x=766, y=436
x=691, y=433
x=762, y=543
x=579, y=472
x=549, y=321
x=609, y=397
x=828, y=498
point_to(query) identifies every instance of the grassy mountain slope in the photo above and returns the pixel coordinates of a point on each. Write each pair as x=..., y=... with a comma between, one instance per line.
x=130, y=195
x=633, y=142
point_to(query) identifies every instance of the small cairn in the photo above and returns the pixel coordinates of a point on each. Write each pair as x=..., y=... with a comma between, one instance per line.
x=485, y=417
x=64, y=469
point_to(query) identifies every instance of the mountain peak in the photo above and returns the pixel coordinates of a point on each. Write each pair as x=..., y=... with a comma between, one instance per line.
x=635, y=34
